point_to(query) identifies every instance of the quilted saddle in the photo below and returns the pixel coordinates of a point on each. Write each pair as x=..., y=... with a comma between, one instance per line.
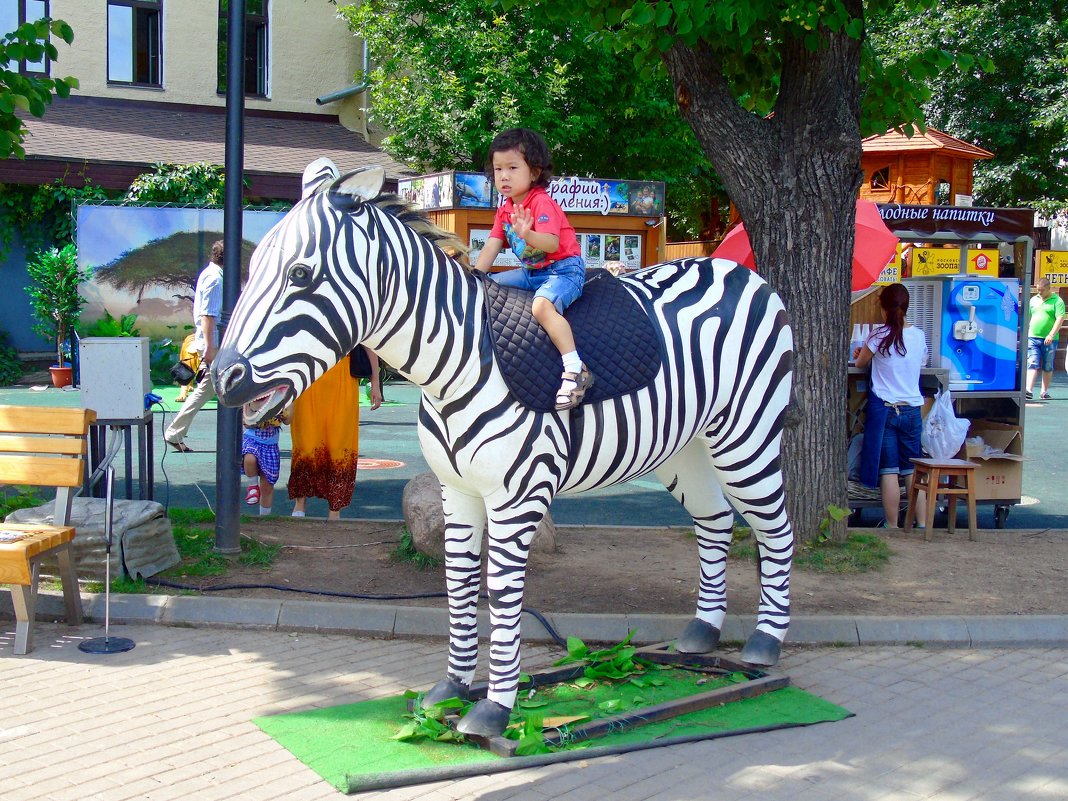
x=613, y=333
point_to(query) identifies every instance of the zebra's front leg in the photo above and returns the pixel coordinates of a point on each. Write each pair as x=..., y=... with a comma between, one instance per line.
x=465, y=519
x=511, y=531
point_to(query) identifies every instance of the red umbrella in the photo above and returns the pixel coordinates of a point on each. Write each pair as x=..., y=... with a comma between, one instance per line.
x=874, y=245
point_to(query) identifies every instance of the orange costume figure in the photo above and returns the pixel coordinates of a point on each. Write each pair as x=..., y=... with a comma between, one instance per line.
x=326, y=437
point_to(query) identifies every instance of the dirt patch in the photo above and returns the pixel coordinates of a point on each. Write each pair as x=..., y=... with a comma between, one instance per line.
x=655, y=570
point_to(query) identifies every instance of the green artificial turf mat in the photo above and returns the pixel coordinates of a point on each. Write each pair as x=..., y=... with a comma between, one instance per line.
x=350, y=746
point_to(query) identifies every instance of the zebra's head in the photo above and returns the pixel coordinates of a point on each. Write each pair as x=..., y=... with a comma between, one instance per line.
x=307, y=302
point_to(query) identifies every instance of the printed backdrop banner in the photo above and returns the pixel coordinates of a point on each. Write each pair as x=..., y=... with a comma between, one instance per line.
x=145, y=260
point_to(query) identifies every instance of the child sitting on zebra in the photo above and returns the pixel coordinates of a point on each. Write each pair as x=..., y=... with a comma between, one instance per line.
x=538, y=232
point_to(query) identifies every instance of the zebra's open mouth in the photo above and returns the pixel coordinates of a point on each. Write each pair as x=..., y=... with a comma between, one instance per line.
x=262, y=407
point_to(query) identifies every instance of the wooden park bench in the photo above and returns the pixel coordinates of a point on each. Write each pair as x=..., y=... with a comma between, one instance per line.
x=41, y=447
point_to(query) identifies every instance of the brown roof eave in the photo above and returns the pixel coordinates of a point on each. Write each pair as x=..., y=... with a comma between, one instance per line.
x=118, y=176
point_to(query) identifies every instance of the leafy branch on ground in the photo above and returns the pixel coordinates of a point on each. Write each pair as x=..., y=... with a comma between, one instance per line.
x=834, y=514
x=407, y=552
x=429, y=723
x=615, y=663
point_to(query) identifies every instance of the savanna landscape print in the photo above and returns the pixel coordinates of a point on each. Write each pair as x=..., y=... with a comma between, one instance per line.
x=145, y=260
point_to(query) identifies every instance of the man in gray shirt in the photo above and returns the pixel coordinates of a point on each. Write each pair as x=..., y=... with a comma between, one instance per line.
x=207, y=309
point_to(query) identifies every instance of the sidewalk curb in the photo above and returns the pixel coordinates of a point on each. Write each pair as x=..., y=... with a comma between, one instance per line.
x=389, y=621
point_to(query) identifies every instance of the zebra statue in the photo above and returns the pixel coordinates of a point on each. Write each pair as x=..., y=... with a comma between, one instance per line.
x=341, y=269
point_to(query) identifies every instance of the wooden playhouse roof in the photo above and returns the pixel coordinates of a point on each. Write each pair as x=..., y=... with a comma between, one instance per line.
x=932, y=139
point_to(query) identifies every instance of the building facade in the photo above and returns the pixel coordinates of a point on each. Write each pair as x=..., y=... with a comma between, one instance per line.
x=152, y=88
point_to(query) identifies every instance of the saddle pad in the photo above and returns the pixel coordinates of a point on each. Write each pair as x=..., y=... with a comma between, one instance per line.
x=613, y=333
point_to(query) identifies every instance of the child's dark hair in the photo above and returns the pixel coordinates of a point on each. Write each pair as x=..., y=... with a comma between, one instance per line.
x=894, y=300
x=531, y=145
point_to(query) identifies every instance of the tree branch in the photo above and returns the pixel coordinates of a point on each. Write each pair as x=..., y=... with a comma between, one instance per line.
x=727, y=132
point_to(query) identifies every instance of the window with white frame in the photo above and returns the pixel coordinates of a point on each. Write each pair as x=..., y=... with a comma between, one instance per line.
x=256, y=56
x=14, y=13
x=135, y=42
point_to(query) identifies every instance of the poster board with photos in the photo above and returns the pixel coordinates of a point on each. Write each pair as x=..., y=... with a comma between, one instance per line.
x=456, y=189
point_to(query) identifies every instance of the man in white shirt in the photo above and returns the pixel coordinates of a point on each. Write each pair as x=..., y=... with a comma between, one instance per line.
x=207, y=309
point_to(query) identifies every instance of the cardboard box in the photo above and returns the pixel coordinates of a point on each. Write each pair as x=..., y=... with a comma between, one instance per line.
x=1000, y=473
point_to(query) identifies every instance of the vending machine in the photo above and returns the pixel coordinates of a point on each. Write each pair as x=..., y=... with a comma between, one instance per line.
x=972, y=326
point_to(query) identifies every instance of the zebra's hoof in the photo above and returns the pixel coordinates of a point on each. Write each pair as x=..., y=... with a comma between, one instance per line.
x=698, y=637
x=443, y=690
x=486, y=719
x=761, y=649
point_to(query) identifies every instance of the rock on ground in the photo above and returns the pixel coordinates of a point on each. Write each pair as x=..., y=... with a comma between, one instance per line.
x=425, y=519
x=142, y=539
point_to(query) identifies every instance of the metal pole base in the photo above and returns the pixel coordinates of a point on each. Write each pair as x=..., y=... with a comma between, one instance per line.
x=106, y=645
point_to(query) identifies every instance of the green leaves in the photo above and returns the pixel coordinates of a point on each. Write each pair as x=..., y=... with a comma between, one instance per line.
x=28, y=93
x=998, y=81
x=611, y=664
x=429, y=723
x=531, y=737
x=200, y=183
x=54, y=280
x=447, y=77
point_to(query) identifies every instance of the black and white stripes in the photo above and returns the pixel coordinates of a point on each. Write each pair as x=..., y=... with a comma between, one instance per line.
x=339, y=270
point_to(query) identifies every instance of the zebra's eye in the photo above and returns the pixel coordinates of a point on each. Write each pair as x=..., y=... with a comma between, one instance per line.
x=299, y=275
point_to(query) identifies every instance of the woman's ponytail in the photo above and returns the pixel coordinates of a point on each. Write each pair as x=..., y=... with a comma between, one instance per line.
x=894, y=300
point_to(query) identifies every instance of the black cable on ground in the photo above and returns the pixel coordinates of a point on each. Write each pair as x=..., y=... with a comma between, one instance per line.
x=560, y=641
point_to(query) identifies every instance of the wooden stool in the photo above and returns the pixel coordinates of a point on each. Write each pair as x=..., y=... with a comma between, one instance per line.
x=928, y=477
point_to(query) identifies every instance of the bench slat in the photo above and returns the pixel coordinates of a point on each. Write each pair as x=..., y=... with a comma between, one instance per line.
x=40, y=471
x=46, y=420
x=15, y=556
x=70, y=446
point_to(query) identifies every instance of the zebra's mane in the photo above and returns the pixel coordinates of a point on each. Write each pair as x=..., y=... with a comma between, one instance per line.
x=417, y=220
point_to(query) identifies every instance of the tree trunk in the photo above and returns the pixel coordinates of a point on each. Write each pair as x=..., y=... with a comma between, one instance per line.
x=794, y=178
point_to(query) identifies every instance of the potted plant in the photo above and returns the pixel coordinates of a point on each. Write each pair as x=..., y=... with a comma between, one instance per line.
x=55, y=277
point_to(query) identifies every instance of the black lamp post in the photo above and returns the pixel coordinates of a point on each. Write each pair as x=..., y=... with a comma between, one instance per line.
x=228, y=433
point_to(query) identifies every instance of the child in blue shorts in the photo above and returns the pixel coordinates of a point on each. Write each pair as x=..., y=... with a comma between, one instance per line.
x=538, y=232
x=262, y=459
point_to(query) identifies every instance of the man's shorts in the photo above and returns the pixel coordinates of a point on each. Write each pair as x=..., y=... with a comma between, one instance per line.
x=560, y=283
x=1040, y=355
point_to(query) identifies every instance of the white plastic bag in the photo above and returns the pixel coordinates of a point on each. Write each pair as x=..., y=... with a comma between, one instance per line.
x=943, y=431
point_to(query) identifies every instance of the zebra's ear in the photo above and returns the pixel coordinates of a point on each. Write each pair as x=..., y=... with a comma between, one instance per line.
x=359, y=186
x=317, y=176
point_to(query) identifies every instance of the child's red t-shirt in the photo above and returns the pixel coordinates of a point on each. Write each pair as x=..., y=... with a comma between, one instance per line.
x=549, y=218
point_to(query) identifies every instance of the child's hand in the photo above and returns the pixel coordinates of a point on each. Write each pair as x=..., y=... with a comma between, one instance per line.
x=522, y=222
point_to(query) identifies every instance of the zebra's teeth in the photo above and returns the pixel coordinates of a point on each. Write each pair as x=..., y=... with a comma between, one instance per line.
x=256, y=409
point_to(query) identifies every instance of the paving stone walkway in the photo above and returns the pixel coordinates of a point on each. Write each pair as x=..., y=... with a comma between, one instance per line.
x=171, y=719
